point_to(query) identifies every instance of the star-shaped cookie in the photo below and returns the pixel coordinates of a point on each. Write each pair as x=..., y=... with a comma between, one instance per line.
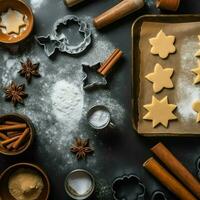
x=12, y=21
x=198, y=52
x=196, y=108
x=161, y=78
x=160, y=112
x=197, y=72
x=162, y=45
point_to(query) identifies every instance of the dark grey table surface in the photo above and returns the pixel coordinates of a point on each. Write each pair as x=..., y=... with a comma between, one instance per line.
x=116, y=153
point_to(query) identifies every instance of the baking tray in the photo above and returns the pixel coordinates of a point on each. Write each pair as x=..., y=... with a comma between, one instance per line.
x=186, y=29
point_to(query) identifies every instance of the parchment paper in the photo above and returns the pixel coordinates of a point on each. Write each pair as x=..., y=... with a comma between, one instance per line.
x=184, y=92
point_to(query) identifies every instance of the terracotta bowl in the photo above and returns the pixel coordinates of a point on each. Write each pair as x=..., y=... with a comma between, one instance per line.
x=4, y=178
x=23, y=8
x=23, y=119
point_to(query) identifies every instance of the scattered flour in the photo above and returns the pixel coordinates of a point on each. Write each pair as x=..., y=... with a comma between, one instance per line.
x=36, y=4
x=189, y=92
x=67, y=102
x=57, y=104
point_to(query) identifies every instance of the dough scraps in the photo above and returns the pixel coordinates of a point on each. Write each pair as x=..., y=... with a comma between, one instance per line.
x=161, y=78
x=197, y=54
x=25, y=184
x=12, y=21
x=197, y=72
x=162, y=45
x=160, y=112
x=196, y=108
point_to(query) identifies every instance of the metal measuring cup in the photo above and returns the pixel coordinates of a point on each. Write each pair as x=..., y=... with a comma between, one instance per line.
x=99, y=118
x=79, y=184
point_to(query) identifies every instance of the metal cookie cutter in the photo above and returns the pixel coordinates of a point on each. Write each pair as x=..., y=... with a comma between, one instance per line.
x=158, y=195
x=95, y=75
x=58, y=40
x=99, y=118
x=127, y=181
x=96, y=79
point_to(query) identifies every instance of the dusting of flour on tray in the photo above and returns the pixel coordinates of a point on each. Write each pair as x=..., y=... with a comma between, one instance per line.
x=188, y=92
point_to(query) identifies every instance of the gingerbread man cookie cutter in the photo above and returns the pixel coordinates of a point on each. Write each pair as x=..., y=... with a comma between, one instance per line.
x=59, y=41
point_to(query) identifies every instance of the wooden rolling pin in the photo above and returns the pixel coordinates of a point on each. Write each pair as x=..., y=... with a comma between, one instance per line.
x=71, y=3
x=119, y=11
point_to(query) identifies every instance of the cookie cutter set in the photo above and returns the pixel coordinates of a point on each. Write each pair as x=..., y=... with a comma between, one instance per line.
x=59, y=41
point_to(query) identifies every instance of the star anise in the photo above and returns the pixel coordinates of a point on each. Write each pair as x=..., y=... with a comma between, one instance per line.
x=15, y=93
x=28, y=70
x=81, y=148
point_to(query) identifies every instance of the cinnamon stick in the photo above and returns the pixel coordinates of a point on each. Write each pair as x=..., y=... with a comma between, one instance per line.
x=3, y=136
x=21, y=139
x=177, y=168
x=168, y=180
x=13, y=133
x=8, y=141
x=9, y=146
x=12, y=127
x=11, y=123
x=110, y=62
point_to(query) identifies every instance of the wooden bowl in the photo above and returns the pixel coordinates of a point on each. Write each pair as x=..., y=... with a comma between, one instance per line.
x=4, y=178
x=23, y=8
x=23, y=119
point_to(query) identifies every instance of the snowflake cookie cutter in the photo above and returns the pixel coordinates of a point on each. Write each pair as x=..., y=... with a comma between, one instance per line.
x=59, y=41
x=158, y=195
x=124, y=181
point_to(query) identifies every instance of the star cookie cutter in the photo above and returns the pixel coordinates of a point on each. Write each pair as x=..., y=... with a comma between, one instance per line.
x=87, y=69
x=56, y=40
x=100, y=70
x=158, y=195
x=128, y=180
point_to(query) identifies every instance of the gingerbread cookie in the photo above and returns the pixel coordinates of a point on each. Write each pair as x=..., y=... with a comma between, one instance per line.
x=12, y=21
x=160, y=111
x=162, y=45
x=161, y=78
x=197, y=72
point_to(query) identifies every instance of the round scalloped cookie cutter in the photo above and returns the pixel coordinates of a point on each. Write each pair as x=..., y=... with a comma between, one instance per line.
x=57, y=40
x=128, y=180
